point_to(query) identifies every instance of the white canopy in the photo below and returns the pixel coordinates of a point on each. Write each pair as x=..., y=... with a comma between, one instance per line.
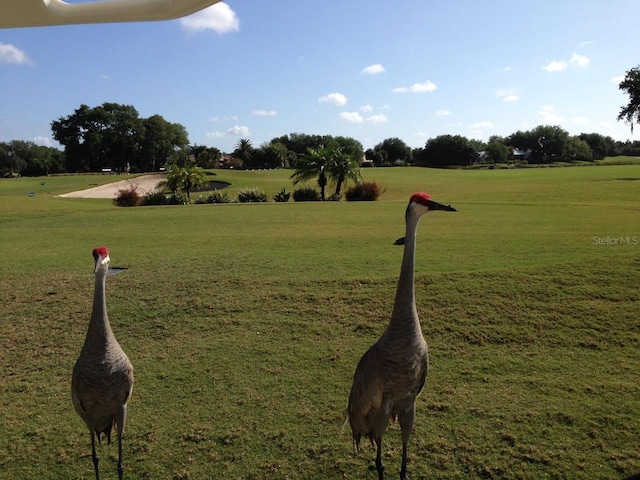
x=38, y=13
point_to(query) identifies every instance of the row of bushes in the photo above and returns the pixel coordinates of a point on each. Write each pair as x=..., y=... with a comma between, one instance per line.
x=129, y=197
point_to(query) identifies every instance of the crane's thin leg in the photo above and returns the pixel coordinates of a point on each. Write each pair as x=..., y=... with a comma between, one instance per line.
x=403, y=468
x=379, y=464
x=94, y=455
x=120, y=465
x=406, y=420
x=121, y=416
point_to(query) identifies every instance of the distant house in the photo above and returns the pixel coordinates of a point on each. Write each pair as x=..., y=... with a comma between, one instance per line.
x=226, y=161
x=366, y=163
x=520, y=155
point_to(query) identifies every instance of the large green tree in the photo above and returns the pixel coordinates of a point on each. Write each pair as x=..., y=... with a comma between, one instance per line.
x=299, y=144
x=546, y=143
x=271, y=155
x=497, y=151
x=447, y=151
x=631, y=85
x=601, y=146
x=108, y=136
x=20, y=157
x=205, y=157
x=163, y=143
x=391, y=150
x=114, y=136
x=578, y=150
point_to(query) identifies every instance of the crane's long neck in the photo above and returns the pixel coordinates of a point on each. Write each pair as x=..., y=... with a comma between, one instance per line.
x=99, y=326
x=404, y=313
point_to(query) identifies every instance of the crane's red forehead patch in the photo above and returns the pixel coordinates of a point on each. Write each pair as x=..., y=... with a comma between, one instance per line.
x=420, y=197
x=100, y=252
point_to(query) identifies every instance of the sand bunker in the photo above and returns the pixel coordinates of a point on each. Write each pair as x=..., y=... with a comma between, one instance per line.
x=144, y=184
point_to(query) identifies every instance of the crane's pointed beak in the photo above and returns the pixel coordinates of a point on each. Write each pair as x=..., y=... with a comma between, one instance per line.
x=439, y=206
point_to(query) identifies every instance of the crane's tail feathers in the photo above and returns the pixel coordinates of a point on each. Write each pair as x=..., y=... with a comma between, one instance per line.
x=346, y=420
x=356, y=437
x=356, y=443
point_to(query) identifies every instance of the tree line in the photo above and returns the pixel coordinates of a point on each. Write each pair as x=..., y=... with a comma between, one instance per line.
x=97, y=149
x=115, y=137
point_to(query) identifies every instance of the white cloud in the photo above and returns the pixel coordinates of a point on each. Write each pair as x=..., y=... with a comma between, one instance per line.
x=480, y=125
x=427, y=86
x=235, y=131
x=222, y=119
x=219, y=18
x=351, y=117
x=44, y=141
x=576, y=60
x=443, y=113
x=337, y=99
x=585, y=43
x=373, y=69
x=556, y=66
x=366, y=108
x=507, y=94
x=377, y=119
x=579, y=60
x=263, y=113
x=241, y=131
x=617, y=80
x=10, y=54
x=547, y=115
x=580, y=120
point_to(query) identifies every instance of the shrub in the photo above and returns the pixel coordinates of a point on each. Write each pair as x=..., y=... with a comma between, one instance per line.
x=177, y=198
x=282, y=196
x=154, y=198
x=214, y=197
x=219, y=197
x=200, y=199
x=334, y=197
x=127, y=197
x=306, y=195
x=249, y=195
x=363, y=192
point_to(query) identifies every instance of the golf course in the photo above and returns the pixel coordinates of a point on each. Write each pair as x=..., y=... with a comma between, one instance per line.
x=244, y=323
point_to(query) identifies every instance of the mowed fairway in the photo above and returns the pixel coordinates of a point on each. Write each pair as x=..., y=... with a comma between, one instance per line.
x=245, y=322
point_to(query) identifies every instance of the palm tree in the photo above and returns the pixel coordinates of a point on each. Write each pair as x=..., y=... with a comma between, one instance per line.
x=313, y=165
x=341, y=168
x=244, y=151
x=184, y=179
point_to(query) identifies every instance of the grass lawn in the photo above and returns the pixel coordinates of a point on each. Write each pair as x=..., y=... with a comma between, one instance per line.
x=244, y=323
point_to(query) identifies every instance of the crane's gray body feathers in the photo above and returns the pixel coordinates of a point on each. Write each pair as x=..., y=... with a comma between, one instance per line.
x=102, y=380
x=390, y=377
x=102, y=384
x=391, y=374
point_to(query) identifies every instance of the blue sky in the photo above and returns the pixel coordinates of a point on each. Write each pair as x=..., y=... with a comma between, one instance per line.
x=371, y=70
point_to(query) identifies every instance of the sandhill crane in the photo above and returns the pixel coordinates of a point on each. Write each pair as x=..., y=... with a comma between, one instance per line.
x=102, y=379
x=391, y=374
